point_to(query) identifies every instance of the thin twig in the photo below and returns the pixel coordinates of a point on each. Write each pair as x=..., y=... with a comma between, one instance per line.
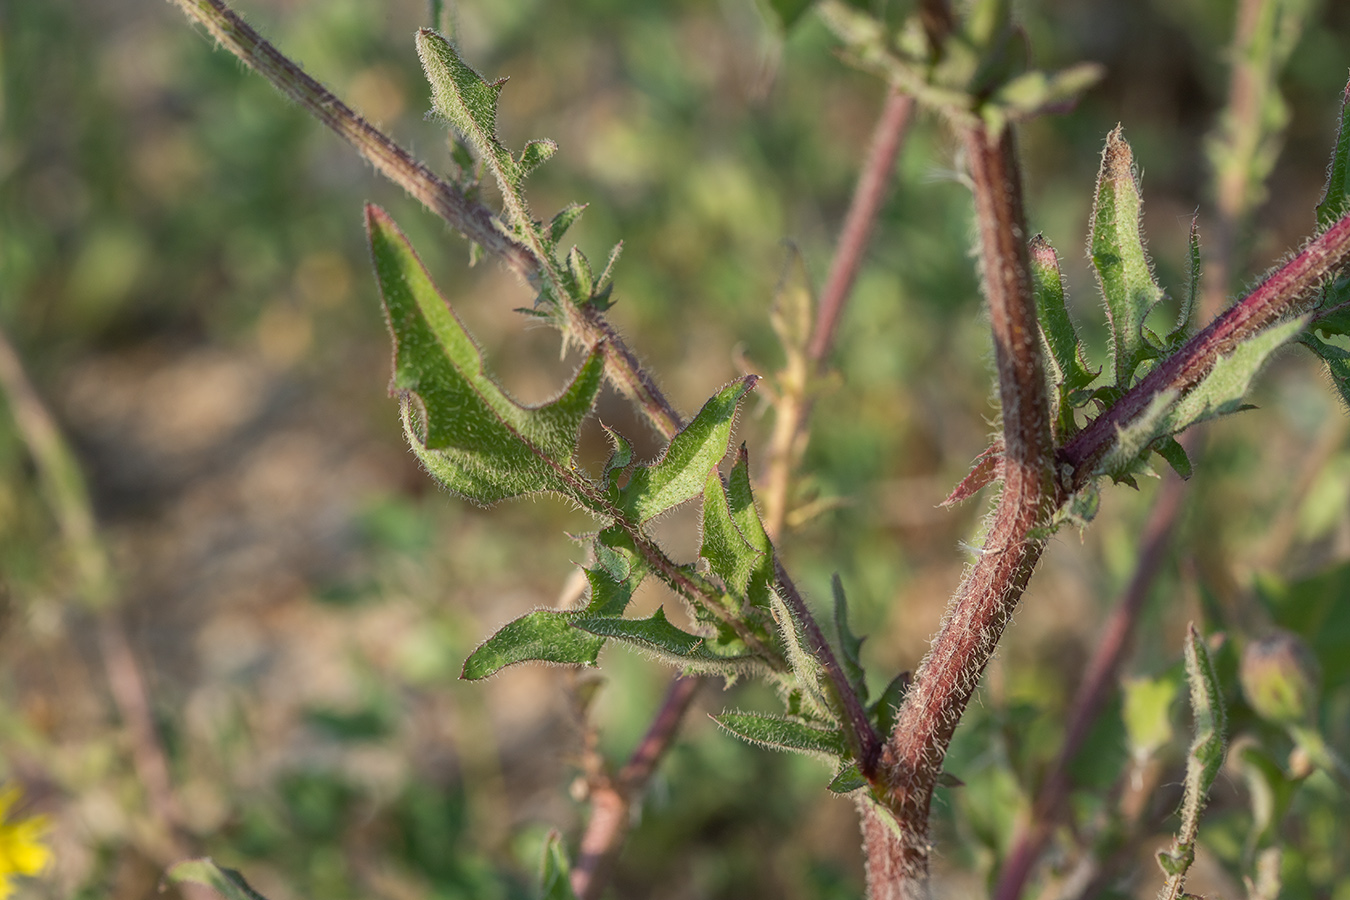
x=612, y=800
x=472, y=219
x=68, y=497
x=792, y=410
x=873, y=183
x=983, y=604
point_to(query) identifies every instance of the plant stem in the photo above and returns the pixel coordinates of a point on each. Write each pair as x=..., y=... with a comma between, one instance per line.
x=1279, y=296
x=796, y=399
x=1098, y=682
x=472, y=219
x=612, y=800
x=68, y=496
x=983, y=604
x=859, y=221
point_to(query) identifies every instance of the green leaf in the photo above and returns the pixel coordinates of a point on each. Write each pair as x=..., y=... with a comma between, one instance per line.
x=1335, y=201
x=535, y=153
x=556, y=878
x=782, y=733
x=1067, y=360
x=849, y=644
x=1219, y=393
x=1147, y=713
x=579, y=275
x=1223, y=389
x=729, y=555
x=848, y=779
x=226, y=882
x=467, y=101
x=620, y=458
x=1179, y=332
x=734, y=541
x=1037, y=92
x=544, y=635
x=683, y=469
x=810, y=675
x=1205, y=757
x=1338, y=364
x=1175, y=454
x=1122, y=265
x=472, y=436
x=563, y=221
x=663, y=640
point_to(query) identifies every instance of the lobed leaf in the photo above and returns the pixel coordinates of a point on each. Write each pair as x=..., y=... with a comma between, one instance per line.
x=781, y=733
x=549, y=635
x=681, y=472
x=472, y=436
x=545, y=635
x=468, y=102
x=1116, y=246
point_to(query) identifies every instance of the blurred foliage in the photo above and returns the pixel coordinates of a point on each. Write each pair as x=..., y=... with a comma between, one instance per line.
x=183, y=269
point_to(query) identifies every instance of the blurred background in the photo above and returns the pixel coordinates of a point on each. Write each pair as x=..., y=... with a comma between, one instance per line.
x=184, y=274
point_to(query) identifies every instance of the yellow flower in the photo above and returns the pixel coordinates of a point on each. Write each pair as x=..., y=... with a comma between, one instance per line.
x=22, y=851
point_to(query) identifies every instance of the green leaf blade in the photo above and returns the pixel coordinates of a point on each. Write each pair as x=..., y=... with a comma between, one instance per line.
x=682, y=471
x=1336, y=196
x=544, y=635
x=780, y=733
x=470, y=433
x=1118, y=256
x=467, y=101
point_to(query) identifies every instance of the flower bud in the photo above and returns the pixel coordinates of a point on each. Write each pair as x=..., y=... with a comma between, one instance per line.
x=1281, y=679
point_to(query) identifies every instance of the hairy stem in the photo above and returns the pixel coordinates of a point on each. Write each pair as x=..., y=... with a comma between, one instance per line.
x=1098, y=682
x=472, y=219
x=983, y=604
x=1279, y=296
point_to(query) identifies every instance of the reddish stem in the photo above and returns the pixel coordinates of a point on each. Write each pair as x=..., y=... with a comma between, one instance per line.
x=860, y=220
x=612, y=801
x=983, y=605
x=1278, y=296
x=1098, y=683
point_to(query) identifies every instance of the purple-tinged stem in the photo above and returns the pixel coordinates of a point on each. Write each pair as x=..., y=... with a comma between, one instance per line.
x=1280, y=295
x=1100, y=679
x=912, y=758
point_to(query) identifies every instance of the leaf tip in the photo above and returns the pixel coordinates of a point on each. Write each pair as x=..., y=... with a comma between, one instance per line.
x=1117, y=159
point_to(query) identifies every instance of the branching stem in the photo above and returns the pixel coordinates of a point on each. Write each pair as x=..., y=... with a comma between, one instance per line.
x=983, y=604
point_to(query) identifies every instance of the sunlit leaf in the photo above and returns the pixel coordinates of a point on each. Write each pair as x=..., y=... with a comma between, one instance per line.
x=472, y=436
x=1121, y=263
x=782, y=733
x=681, y=472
